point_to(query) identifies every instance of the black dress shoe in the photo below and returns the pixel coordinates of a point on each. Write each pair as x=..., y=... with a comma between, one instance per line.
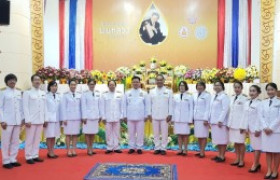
x=30, y=161
x=234, y=164
x=258, y=168
x=184, y=154
x=131, y=151
x=220, y=160
x=108, y=152
x=52, y=157
x=157, y=152
x=163, y=152
x=215, y=158
x=16, y=164
x=8, y=166
x=118, y=151
x=197, y=154
x=74, y=155
x=179, y=153
x=93, y=153
x=139, y=151
x=274, y=177
x=201, y=156
x=241, y=165
x=38, y=160
x=267, y=176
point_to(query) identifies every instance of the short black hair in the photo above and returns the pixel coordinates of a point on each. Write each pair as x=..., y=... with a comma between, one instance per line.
x=72, y=80
x=52, y=83
x=257, y=88
x=136, y=77
x=201, y=83
x=91, y=80
x=185, y=84
x=221, y=83
x=9, y=77
x=238, y=82
x=112, y=81
x=33, y=77
x=273, y=85
x=160, y=75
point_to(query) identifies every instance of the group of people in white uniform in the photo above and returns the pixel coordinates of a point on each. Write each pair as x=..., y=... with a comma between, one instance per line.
x=230, y=119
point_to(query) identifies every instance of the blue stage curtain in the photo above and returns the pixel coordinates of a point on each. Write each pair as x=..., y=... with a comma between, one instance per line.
x=72, y=33
x=235, y=17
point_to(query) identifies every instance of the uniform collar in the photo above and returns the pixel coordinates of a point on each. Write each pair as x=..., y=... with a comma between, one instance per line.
x=160, y=89
x=220, y=93
x=35, y=89
x=10, y=89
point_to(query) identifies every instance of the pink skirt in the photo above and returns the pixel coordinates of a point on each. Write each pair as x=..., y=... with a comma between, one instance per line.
x=236, y=137
x=72, y=127
x=271, y=143
x=200, y=131
x=219, y=135
x=255, y=142
x=181, y=128
x=91, y=127
x=52, y=130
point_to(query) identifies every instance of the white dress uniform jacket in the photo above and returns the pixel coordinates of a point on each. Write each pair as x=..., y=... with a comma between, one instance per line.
x=136, y=105
x=53, y=107
x=219, y=108
x=161, y=103
x=71, y=106
x=251, y=119
x=34, y=106
x=271, y=114
x=183, y=108
x=112, y=106
x=236, y=111
x=202, y=106
x=91, y=105
x=11, y=111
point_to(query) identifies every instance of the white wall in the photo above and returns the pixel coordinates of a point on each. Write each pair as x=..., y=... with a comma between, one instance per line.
x=15, y=45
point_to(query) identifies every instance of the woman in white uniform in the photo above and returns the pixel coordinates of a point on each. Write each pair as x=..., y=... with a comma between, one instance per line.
x=218, y=120
x=235, y=119
x=202, y=100
x=251, y=123
x=52, y=124
x=71, y=117
x=183, y=116
x=90, y=114
x=271, y=131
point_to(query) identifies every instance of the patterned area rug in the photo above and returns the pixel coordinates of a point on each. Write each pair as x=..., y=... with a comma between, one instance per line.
x=121, y=171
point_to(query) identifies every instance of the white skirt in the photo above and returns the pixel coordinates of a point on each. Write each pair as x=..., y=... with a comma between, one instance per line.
x=236, y=137
x=219, y=135
x=91, y=127
x=52, y=130
x=200, y=131
x=271, y=143
x=72, y=127
x=181, y=128
x=255, y=142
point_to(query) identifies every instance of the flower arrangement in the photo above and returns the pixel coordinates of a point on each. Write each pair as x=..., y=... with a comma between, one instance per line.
x=48, y=73
x=122, y=73
x=162, y=64
x=97, y=75
x=153, y=60
x=169, y=68
x=180, y=71
x=111, y=76
x=240, y=74
x=142, y=64
x=251, y=73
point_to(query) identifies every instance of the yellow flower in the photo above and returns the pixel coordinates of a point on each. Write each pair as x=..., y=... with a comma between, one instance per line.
x=239, y=74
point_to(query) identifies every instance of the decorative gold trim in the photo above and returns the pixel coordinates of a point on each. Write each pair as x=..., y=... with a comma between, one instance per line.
x=37, y=33
x=267, y=39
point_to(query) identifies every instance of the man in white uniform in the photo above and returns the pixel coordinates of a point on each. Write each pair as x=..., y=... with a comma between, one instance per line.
x=161, y=111
x=112, y=113
x=34, y=107
x=136, y=109
x=11, y=119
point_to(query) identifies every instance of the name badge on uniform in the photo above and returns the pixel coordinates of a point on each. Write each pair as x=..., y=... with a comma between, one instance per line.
x=240, y=103
x=186, y=99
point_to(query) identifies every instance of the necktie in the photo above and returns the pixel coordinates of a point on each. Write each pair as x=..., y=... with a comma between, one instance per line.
x=93, y=94
x=181, y=96
x=73, y=94
x=235, y=98
x=270, y=102
x=250, y=102
x=54, y=96
x=216, y=97
x=199, y=94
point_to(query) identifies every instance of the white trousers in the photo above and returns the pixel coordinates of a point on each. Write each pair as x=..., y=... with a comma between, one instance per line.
x=32, y=141
x=112, y=135
x=10, y=144
x=135, y=134
x=160, y=127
